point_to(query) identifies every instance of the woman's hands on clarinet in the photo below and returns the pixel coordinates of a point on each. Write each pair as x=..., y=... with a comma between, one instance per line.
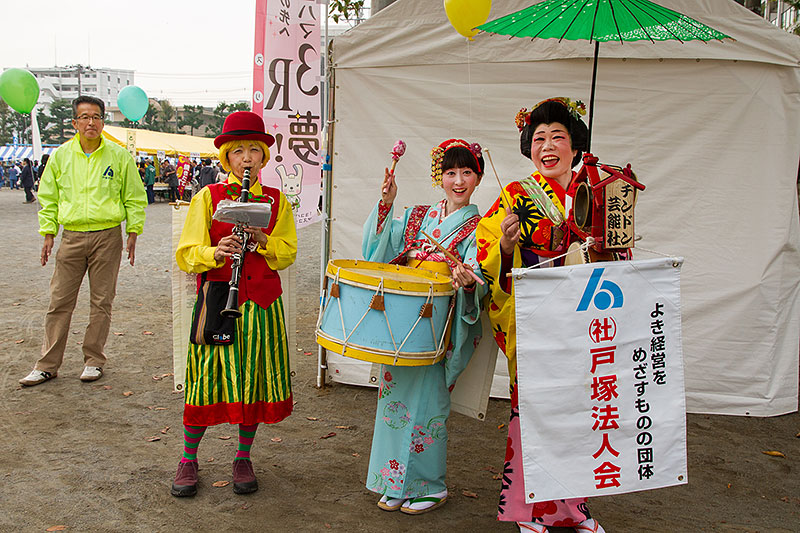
x=511, y=232
x=257, y=236
x=389, y=188
x=226, y=247
x=232, y=244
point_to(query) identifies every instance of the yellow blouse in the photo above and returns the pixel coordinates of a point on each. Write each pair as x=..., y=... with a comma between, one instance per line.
x=195, y=253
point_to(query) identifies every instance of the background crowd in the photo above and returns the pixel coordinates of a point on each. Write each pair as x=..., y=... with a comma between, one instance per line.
x=203, y=172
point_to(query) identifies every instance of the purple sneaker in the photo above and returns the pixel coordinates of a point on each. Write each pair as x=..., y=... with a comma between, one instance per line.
x=185, y=483
x=244, y=478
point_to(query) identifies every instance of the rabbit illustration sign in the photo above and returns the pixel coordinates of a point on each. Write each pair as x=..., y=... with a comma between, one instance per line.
x=291, y=184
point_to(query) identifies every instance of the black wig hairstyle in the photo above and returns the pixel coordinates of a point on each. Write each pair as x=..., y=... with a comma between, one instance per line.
x=547, y=113
x=460, y=157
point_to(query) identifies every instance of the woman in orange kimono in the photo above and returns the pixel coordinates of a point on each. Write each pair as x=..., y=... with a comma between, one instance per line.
x=523, y=234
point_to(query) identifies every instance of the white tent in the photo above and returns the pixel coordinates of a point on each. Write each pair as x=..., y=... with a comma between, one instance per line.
x=711, y=129
x=18, y=153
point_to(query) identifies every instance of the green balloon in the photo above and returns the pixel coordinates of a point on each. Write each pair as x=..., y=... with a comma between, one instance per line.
x=19, y=89
x=133, y=103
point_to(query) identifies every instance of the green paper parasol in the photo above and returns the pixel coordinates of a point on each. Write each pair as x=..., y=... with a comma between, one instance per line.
x=601, y=21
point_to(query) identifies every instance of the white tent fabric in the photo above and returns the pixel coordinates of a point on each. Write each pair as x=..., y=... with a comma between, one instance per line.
x=711, y=129
x=18, y=153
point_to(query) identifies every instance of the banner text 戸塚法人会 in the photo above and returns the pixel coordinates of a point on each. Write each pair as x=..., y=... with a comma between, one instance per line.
x=600, y=375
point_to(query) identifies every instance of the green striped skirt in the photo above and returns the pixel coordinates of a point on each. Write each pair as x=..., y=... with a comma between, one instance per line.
x=246, y=382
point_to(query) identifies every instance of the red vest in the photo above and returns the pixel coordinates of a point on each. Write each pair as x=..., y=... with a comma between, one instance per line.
x=258, y=281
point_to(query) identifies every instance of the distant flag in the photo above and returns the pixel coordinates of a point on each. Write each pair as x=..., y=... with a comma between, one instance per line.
x=36, y=139
x=183, y=171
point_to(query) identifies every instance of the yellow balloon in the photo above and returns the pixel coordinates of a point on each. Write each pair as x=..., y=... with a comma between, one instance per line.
x=464, y=15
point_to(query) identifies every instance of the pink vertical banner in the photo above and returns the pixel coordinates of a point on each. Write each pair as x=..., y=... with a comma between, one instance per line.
x=287, y=94
x=184, y=179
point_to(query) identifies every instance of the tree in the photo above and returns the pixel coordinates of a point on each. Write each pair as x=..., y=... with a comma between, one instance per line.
x=753, y=5
x=167, y=116
x=222, y=110
x=192, y=117
x=6, y=135
x=150, y=119
x=347, y=10
x=44, y=121
x=126, y=123
x=59, y=123
x=21, y=125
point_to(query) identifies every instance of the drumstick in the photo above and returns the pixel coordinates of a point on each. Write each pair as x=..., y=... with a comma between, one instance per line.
x=452, y=258
x=502, y=189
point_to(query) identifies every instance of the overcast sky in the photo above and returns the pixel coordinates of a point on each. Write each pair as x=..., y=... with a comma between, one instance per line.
x=192, y=52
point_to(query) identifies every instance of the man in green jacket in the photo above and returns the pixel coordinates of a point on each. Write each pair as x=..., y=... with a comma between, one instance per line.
x=89, y=187
x=149, y=181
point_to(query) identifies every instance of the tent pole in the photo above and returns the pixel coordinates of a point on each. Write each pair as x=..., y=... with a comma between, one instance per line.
x=591, y=96
x=325, y=241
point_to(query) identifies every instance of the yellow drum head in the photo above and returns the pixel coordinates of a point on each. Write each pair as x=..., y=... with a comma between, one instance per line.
x=395, y=278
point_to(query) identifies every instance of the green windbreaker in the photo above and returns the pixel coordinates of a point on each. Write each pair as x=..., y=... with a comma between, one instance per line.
x=91, y=193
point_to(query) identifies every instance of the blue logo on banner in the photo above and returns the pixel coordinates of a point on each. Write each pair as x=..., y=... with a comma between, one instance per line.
x=608, y=295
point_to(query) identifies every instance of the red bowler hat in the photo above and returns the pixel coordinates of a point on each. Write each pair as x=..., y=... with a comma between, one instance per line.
x=243, y=125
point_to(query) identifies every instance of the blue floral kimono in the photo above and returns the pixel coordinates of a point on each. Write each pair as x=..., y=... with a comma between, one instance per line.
x=409, y=445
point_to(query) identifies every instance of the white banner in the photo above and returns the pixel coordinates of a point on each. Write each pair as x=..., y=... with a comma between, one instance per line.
x=600, y=373
x=184, y=294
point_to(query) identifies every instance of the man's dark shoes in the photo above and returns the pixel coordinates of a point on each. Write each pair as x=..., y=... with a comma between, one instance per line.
x=244, y=478
x=185, y=483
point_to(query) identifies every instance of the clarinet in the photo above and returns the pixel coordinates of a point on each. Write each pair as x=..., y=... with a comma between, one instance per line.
x=237, y=260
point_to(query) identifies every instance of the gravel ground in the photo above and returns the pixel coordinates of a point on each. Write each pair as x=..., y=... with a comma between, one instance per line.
x=83, y=455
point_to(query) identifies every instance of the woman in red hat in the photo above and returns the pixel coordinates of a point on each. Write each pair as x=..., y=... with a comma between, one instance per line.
x=246, y=382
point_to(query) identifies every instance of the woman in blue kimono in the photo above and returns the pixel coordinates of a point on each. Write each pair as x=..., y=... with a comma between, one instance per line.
x=409, y=446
